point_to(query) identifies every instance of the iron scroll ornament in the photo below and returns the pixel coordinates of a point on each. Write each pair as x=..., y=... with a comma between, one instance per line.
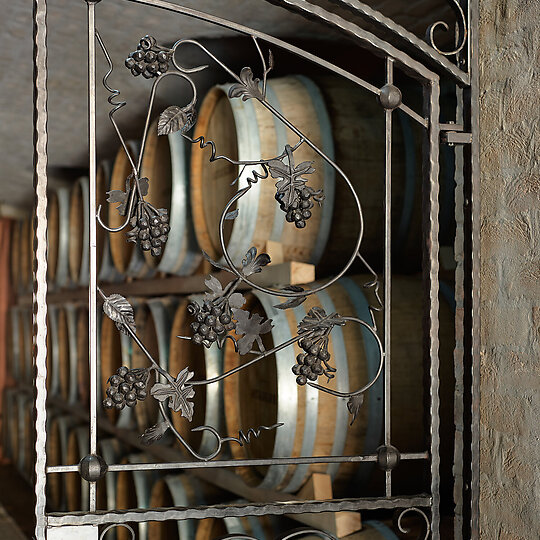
x=221, y=311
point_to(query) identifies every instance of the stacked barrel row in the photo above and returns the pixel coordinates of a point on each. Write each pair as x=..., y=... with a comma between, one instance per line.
x=345, y=123
x=349, y=128
x=266, y=393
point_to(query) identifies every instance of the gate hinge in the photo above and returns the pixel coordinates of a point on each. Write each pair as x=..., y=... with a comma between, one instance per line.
x=452, y=134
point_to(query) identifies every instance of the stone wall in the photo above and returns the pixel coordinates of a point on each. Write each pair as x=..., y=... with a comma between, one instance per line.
x=510, y=281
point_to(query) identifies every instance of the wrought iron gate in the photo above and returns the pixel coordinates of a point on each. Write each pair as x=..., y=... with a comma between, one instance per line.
x=221, y=312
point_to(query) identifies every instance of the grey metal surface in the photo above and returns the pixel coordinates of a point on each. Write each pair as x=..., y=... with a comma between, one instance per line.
x=389, y=80
x=431, y=287
x=93, y=329
x=219, y=511
x=39, y=272
x=241, y=463
x=62, y=278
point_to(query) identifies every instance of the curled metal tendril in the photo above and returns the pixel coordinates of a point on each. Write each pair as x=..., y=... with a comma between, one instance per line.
x=375, y=285
x=461, y=38
x=245, y=438
x=114, y=525
x=117, y=105
x=241, y=439
x=417, y=511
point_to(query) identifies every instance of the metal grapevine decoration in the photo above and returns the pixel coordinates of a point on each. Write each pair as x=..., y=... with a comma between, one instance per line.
x=149, y=60
x=293, y=196
x=221, y=315
x=126, y=387
x=314, y=361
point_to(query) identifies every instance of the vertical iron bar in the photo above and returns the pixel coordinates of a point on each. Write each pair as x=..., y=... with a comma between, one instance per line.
x=475, y=262
x=388, y=271
x=92, y=286
x=39, y=297
x=430, y=206
x=459, y=396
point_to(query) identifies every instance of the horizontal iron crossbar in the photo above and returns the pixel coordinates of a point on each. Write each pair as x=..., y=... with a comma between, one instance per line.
x=221, y=511
x=237, y=463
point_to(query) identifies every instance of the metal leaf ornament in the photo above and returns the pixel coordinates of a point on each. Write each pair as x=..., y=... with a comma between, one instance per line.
x=293, y=195
x=215, y=287
x=248, y=88
x=119, y=310
x=251, y=328
x=177, y=392
x=122, y=197
x=292, y=302
x=176, y=118
x=354, y=404
x=154, y=433
x=253, y=263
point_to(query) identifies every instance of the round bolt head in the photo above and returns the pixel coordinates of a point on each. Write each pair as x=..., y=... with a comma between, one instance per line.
x=92, y=467
x=390, y=96
x=388, y=457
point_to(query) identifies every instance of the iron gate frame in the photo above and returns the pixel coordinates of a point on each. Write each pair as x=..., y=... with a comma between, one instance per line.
x=465, y=79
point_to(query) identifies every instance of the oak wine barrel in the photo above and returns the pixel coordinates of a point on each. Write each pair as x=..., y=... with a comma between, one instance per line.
x=127, y=256
x=19, y=344
x=260, y=527
x=77, y=493
x=358, y=127
x=15, y=248
x=58, y=430
x=116, y=350
x=106, y=270
x=133, y=489
x=58, y=237
x=12, y=344
x=79, y=232
x=83, y=367
x=165, y=164
x=314, y=422
x=19, y=434
x=178, y=490
x=112, y=451
x=245, y=130
x=59, y=353
x=26, y=255
x=153, y=320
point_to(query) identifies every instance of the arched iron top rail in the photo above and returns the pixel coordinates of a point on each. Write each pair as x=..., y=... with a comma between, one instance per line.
x=371, y=42
x=430, y=55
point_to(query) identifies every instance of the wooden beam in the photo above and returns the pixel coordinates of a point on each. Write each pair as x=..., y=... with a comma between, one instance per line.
x=288, y=273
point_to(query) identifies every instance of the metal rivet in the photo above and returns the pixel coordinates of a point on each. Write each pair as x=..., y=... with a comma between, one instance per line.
x=388, y=457
x=390, y=96
x=92, y=467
